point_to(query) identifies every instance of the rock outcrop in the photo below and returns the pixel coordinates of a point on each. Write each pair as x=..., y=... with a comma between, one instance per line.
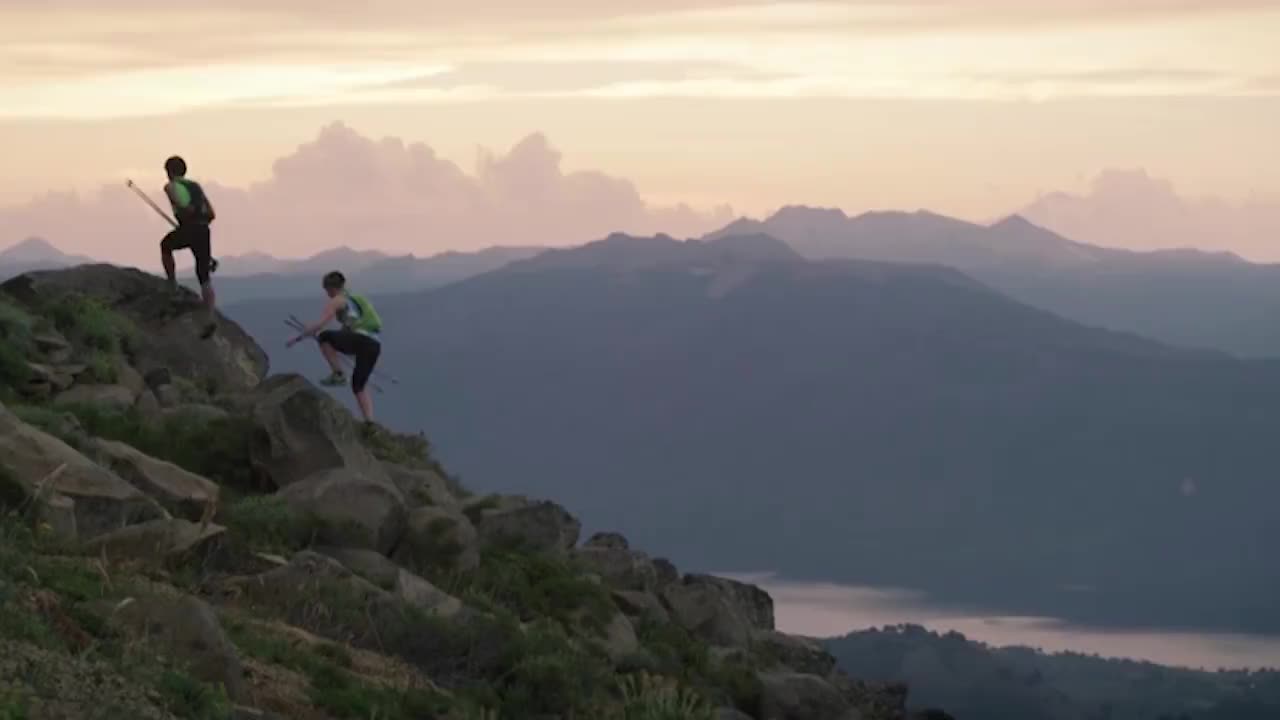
x=344, y=569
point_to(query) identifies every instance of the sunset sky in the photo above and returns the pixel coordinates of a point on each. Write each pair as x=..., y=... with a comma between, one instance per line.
x=967, y=107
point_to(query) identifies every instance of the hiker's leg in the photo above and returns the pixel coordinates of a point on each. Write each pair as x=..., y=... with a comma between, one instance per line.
x=366, y=358
x=167, y=246
x=200, y=251
x=327, y=340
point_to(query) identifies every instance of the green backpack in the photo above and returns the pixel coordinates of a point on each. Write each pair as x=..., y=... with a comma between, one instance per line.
x=368, y=319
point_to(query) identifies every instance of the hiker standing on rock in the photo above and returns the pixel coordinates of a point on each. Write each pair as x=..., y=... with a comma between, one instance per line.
x=193, y=212
x=358, y=337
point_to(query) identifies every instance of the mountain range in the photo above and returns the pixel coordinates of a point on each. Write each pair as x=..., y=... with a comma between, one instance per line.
x=898, y=424
x=1181, y=296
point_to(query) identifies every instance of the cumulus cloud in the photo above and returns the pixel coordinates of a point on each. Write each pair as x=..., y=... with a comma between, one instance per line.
x=346, y=189
x=1130, y=209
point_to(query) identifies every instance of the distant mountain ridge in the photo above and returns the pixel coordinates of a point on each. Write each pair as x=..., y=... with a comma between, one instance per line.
x=848, y=420
x=1185, y=297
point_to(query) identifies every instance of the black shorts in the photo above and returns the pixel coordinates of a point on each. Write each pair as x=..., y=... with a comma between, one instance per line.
x=363, y=348
x=196, y=238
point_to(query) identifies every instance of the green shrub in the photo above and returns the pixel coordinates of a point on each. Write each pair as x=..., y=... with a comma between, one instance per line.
x=86, y=321
x=266, y=523
x=218, y=449
x=534, y=585
x=187, y=697
x=16, y=328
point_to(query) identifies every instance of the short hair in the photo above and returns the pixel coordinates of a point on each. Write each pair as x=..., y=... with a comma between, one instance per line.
x=334, y=279
x=176, y=165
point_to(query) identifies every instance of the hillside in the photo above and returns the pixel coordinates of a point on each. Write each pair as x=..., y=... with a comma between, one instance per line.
x=187, y=536
x=974, y=680
x=1182, y=297
x=866, y=422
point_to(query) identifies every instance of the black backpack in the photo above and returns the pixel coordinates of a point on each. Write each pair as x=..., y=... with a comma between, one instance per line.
x=200, y=210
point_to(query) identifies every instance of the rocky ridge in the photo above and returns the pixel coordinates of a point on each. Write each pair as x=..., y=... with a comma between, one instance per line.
x=185, y=535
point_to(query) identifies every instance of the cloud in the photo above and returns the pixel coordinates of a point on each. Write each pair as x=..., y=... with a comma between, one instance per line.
x=346, y=189
x=74, y=58
x=1130, y=209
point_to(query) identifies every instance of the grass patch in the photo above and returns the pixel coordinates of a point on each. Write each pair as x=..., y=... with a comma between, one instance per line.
x=534, y=585
x=16, y=328
x=344, y=696
x=187, y=697
x=86, y=321
x=217, y=448
x=266, y=523
x=649, y=697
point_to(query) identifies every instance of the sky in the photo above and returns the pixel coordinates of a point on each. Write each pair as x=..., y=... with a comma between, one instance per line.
x=674, y=109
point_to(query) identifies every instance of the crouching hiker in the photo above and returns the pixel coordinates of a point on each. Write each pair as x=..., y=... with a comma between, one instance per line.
x=357, y=337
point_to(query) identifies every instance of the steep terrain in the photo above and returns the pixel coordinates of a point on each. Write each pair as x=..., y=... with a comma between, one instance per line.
x=1183, y=297
x=187, y=536
x=865, y=422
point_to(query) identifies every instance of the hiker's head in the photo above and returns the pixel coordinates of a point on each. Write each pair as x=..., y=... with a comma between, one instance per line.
x=333, y=283
x=176, y=167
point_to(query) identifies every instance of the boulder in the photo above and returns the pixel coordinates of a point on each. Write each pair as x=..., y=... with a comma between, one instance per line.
x=794, y=652
x=619, y=567
x=438, y=539
x=187, y=629
x=182, y=493
x=751, y=600
x=168, y=330
x=128, y=376
x=796, y=696
x=667, y=572
x=301, y=431
x=720, y=611
x=53, y=346
x=158, y=541
x=421, y=487
x=114, y=397
x=620, y=641
x=351, y=510
x=641, y=606
x=730, y=714
x=537, y=526
x=57, y=377
x=401, y=583
x=194, y=413
x=101, y=500
x=148, y=406
x=607, y=541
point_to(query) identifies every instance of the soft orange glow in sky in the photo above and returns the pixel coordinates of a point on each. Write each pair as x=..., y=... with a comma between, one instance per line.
x=969, y=107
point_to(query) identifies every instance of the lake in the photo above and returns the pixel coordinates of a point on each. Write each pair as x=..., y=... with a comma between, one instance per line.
x=830, y=610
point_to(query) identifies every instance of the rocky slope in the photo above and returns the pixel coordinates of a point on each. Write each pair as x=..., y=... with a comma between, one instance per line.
x=185, y=535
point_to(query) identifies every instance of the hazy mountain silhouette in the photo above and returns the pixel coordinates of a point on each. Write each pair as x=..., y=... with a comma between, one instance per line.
x=858, y=421
x=35, y=254
x=1181, y=296
x=262, y=276
x=975, y=680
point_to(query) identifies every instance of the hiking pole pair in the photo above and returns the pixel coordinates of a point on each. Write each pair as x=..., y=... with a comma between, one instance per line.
x=296, y=324
x=213, y=263
x=295, y=321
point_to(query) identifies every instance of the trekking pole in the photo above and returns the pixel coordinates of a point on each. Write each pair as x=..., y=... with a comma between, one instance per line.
x=213, y=262
x=148, y=201
x=379, y=373
x=296, y=324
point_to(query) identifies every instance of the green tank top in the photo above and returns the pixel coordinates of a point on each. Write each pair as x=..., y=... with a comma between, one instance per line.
x=359, y=315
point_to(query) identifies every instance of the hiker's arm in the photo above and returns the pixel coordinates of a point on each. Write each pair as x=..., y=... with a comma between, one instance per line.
x=330, y=309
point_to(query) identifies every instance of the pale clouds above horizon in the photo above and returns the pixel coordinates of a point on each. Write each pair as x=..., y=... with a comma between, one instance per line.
x=76, y=59
x=342, y=188
x=346, y=189
x=1130, y=209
